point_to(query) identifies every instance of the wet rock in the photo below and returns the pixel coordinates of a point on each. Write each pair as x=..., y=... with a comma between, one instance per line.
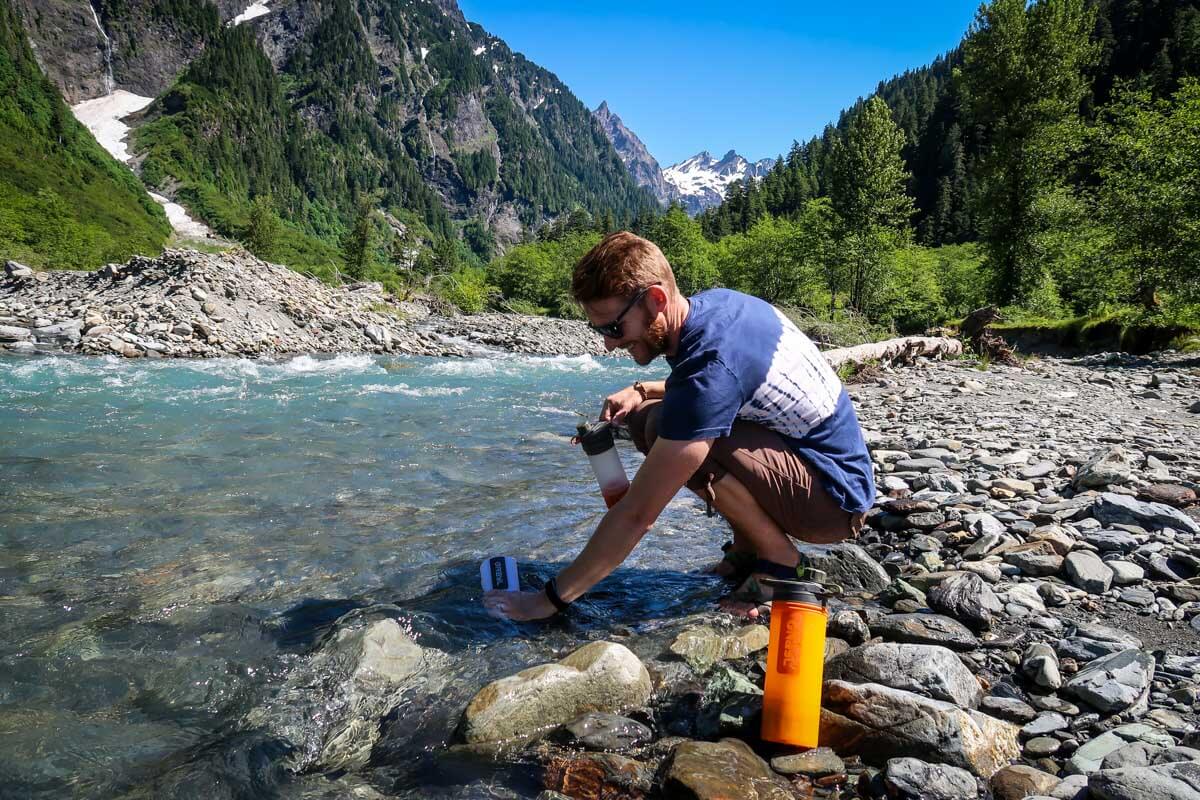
x=878, y=723
x=968, y=599
x=1114, y=683
x=1177, y=781
x=597, y=775
x=925, y=629
x=1118, y=509
x=600, y=676
x=719, y=771
x=925, y=669
x=1085, y=569
x=704, y=646
x=847, y=565
x=816, y=763
x=913, y=779
x=330, y=709
x=599, y=730
x=1018, y=781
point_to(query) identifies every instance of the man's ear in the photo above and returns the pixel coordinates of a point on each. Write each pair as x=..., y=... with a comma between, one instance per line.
x=658, y=297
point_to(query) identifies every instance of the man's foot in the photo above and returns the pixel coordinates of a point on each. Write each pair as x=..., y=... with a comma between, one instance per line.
x=735, y=564
x=751, y=599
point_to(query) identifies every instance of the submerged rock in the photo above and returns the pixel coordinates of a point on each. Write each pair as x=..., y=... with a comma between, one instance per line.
x=720, y=771
x=330, y=709
x=601, y=676
x=703, y=646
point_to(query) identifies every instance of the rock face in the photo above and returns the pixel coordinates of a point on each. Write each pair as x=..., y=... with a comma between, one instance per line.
x=190, y=304
x=925, y=669
x=601, y=676
x=331, y=708
x=878, y=723
x=641, y=165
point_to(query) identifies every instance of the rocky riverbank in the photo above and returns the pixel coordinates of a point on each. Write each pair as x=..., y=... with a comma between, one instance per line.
x=191, y=304
x=1021, y=618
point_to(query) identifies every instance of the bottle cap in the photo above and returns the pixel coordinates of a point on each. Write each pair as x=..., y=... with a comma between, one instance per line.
x=797, y=591
x=596, y=437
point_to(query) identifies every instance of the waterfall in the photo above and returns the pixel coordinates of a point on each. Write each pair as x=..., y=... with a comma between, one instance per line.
x=109, y=83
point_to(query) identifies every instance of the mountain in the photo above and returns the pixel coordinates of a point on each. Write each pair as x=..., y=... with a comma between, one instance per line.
x=642, y=166
x=64, y=202
x=700, y=181
x=315, y=105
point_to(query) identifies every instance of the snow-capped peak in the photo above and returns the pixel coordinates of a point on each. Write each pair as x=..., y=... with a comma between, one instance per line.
x=701, y=181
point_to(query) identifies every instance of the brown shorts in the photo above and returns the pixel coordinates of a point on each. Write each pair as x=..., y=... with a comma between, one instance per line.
x=782, y=482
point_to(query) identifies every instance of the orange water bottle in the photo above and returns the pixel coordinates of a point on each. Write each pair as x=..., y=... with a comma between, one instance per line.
x=795, y=664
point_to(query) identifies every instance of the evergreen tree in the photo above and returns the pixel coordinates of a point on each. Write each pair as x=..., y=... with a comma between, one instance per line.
x=262, y=230
x=358, y=248
x=867, y=192
x=1023, y=81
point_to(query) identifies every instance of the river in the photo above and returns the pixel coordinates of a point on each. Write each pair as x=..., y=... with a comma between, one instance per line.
x=176, y=534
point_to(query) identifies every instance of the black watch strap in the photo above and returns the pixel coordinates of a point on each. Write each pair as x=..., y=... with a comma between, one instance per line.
x=552, y=593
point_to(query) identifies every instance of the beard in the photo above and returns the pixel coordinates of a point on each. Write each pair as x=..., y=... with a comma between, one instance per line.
x=654, y=341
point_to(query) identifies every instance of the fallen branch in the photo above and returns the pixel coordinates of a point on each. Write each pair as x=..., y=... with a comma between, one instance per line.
x=904, y=350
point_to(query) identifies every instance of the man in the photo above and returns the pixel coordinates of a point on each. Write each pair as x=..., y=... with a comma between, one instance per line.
x=751, y=418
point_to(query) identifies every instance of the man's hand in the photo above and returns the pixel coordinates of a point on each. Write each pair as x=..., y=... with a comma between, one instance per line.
x=618, y=404
x=518, y=606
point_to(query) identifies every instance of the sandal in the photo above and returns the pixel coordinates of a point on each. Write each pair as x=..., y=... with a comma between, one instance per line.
x=741, y=563
x=752, y=590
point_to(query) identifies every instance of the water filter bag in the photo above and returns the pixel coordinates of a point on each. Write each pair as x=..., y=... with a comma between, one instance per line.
x=499, y=573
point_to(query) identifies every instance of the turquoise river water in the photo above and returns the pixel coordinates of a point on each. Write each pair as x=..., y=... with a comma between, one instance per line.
x=176, y=535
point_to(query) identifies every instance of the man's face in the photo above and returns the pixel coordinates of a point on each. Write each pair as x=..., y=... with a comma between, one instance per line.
x=643, y=329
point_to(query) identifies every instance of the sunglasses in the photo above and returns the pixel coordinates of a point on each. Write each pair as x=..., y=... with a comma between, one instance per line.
x=613, y=329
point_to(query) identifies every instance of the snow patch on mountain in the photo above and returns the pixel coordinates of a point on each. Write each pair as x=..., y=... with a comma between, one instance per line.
x=700, y=181
x=257, y=9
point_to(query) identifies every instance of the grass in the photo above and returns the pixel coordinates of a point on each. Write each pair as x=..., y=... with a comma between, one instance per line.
x=1124, y=330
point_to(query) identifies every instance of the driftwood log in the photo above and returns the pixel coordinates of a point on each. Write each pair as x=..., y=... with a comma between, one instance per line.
x=894, y=351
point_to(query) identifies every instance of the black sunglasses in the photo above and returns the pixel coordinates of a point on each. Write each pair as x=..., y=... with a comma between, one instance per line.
x=613, y=329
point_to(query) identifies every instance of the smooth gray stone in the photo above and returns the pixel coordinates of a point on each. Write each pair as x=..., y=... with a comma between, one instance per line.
x=925, y=669
x=1040, y=665
x=1108, y=540
x=925, y=629
x=1125, y=572
x=847, y=565
x=1048, y=722
x=1009, y=708
x=1112, y=509
x=1090, y=755
x=1114, y=683
x=600, y=730
x=1177, y=781
x=1085, y=569
x=911, y=778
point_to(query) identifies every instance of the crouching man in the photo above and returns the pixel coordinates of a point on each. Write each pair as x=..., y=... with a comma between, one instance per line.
x=751, y=418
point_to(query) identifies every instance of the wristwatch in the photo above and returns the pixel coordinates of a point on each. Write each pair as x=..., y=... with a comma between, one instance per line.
x=641, y=389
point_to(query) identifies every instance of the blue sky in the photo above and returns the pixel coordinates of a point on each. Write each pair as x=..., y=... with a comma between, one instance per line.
x=715, y=76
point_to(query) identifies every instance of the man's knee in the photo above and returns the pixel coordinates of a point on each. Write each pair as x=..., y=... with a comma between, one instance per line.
x=643, y=424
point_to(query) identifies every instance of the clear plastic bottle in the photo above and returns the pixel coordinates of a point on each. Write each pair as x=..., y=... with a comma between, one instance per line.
x=795, y=664
x=597, y=441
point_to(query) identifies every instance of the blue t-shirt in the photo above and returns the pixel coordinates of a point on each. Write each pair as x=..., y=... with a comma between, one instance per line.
x=740, y=358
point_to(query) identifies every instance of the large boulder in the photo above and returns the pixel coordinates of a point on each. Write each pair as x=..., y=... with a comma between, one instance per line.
x=847, y=565
x=719, y=771
x=330, y=708
x=1116, y=682
x=1176, y=781
x=925, y=669
x=600, y=676
x=877, y=723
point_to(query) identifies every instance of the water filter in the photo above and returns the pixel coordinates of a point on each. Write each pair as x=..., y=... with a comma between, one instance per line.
x=597, y=441
x=795, y=664
x=499, y=573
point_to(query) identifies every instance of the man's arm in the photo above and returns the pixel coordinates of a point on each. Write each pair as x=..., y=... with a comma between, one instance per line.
x=666, y=469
